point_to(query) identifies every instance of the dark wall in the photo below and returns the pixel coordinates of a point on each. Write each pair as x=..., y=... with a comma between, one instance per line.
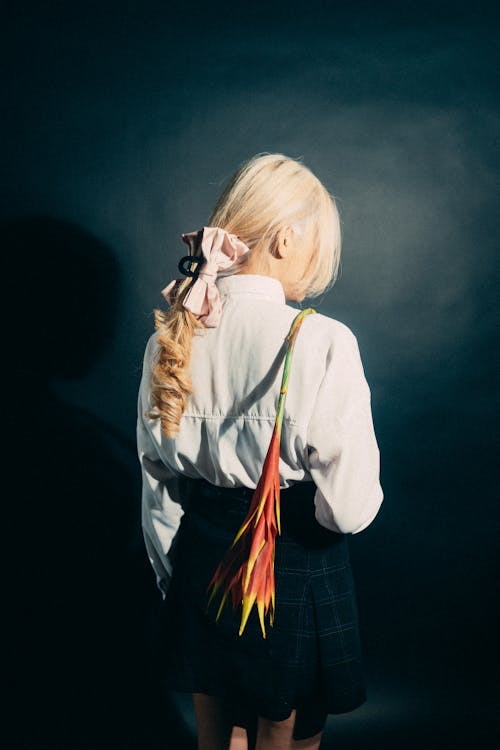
x=120, y=125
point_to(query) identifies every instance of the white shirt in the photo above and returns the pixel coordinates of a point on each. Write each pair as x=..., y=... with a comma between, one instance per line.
x=327, y=434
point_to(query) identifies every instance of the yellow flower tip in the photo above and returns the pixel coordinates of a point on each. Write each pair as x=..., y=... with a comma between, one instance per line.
x=241, y=531
x=260, y=607
x=262, y=505
x=248, y=602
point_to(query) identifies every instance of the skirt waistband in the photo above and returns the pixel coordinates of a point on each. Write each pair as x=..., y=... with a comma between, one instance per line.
x=241, y=496
x=297, y=509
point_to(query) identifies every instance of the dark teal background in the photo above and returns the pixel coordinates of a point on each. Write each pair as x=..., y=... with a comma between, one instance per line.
x=120, y=124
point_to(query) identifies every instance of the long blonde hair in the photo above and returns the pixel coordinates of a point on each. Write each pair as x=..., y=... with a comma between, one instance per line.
x=266, y=193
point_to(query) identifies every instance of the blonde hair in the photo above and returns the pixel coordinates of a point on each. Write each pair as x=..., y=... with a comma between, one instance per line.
x=266, y=193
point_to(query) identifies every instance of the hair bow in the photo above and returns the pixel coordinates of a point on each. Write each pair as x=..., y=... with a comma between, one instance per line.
x=219, y=250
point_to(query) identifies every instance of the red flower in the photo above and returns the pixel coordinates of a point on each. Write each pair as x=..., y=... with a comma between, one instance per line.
x=247, y=569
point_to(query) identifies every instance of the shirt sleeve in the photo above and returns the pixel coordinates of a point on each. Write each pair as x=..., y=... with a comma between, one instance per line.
x=161, y=516
x=343, y=452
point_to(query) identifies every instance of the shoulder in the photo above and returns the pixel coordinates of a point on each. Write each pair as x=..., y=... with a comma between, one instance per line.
x=325, y=345
x=326, y=332
x=334, y=329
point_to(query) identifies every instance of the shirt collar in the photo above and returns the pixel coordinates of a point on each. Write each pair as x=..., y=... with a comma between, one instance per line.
x=252, y=284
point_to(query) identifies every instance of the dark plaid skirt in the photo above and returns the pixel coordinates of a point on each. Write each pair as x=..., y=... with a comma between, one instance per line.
x=311, y=657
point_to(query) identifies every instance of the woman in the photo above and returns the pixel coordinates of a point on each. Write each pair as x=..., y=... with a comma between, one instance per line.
x=206, y=412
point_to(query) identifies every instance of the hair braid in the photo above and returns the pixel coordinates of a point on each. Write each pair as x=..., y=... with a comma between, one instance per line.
x=171, y=383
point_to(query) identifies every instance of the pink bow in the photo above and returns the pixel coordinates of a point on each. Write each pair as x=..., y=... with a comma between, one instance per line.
x=221, y=249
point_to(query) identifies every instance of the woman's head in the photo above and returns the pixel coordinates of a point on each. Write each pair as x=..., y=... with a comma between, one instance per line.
x=288, y=219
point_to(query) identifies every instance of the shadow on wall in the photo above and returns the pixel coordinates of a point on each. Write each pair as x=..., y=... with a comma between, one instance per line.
x=83, y=672
x=80, y=587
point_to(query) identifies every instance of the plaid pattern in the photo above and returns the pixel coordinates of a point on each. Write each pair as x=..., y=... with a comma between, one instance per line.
x=311, y=659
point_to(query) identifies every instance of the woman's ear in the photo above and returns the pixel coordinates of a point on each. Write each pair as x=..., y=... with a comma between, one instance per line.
x=284, y=241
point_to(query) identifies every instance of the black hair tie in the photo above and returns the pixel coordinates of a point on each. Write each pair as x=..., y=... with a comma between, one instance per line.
x=199, y=260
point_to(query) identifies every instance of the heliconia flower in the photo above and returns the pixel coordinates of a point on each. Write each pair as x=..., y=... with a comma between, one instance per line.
x=246, y=571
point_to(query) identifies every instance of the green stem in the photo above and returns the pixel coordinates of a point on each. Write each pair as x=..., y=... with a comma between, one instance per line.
x=292, y=335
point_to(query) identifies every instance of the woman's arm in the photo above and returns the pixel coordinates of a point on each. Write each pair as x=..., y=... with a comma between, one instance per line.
x=161, y=516
x=343, y=452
